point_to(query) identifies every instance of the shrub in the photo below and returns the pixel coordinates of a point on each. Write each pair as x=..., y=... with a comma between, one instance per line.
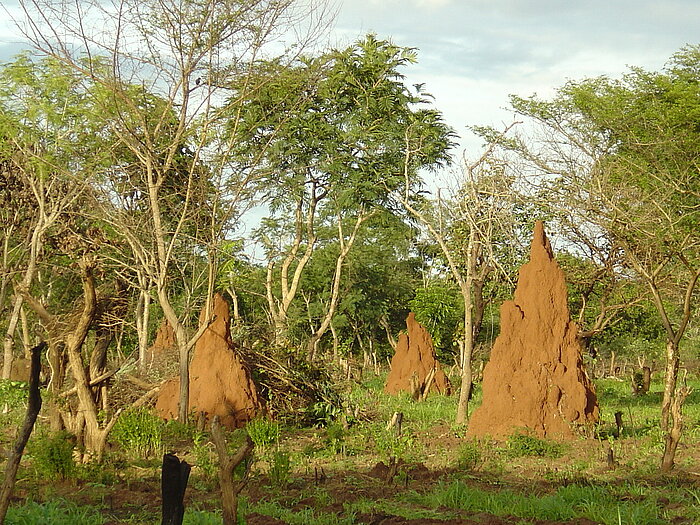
x=204, y=458
x=520, y=445
x=469, y=455
x=53, y=455
x=335, y=438
x=280, y=468
x=263, y=432
x=140, y=431
x=13, y=394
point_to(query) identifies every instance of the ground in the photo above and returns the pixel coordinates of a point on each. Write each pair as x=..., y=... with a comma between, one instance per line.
x=338, y=475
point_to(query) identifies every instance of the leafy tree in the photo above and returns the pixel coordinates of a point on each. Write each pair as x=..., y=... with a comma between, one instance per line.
x=331, y=139
x=50, y=147
x=623, y=156
x=438, y=307
x=161, y=67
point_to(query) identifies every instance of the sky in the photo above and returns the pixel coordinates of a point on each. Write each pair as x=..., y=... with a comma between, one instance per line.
x=473, y=53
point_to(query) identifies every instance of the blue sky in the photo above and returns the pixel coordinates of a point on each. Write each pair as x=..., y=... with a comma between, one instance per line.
x=473, y=53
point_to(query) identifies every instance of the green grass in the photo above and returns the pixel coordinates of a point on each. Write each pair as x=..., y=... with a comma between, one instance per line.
x=598, y=503
x=524, y=477
x=641, y=414
x=306, y=516
x=55, y=512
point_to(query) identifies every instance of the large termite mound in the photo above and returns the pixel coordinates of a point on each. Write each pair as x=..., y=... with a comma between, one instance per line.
x=220, y=384
x=164, y=347
x=535, y=379
x=414, y=364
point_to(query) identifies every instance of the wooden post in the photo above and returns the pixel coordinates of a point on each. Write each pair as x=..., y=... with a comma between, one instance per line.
x=618, y=424
x=174, y=477
x=15, y=455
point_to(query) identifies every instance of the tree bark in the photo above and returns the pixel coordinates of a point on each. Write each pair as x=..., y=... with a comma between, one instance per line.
x=143, y=312
x=15, y=455
x=229, y=489
x=673, y=436
x=670, y=381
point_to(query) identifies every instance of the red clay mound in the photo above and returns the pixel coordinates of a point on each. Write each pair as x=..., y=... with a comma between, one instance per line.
x=415, y=358
x=220, y=384
x=164, y=347
x=535, y=378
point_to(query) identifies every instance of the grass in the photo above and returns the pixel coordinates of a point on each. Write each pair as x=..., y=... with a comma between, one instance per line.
x=54, y=512
x=598, y=503
x=525, y=477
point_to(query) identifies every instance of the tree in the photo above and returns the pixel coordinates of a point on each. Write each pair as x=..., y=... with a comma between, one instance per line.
x=623, y=154
x=339, y=133
x=49, y=146
x=466, y=226
x=161, y=67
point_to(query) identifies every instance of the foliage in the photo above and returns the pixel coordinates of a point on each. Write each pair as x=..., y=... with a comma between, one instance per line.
x=440, y=309
x=280, y=468
x=469, y=455
x=204, y=457
x=334, y=438
x=263, y=431
x=13, y=394
x=55, y=512
x=139, y=430
x=521, y=444
x=53, y=454
x=391, y=445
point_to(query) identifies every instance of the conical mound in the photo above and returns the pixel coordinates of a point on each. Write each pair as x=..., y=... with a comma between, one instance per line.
x=535, y=379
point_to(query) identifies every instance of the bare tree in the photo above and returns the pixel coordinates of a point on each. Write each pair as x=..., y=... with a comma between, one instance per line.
x=163, y=68
x=479, y=209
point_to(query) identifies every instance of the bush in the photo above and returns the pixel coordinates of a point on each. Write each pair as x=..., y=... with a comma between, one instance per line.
x=469, y=455
x=280, y=468
x=263, y=432
x=204, y=457
x=520, y=445
x=140, y=431
x=13, y=394
x=53, y=455
x=335, y=438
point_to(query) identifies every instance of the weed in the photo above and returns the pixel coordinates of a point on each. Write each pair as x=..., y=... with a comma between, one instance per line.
x=469, y=456
x=280, y=469
x=263, y=432
x=55, y=512
x=140, y=431
x=392, y=446
x=335, y=438
x=53, y=455
x=13, y=394
x=520, y=444
x=203, y=457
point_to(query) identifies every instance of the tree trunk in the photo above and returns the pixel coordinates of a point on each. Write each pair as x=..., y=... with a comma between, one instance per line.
x=143, y=312
x=174, y=477
x=8, y=343
x=465, y=391
x=670, y=381
x=227, y=465
x=15, y=455
x=673, y=436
